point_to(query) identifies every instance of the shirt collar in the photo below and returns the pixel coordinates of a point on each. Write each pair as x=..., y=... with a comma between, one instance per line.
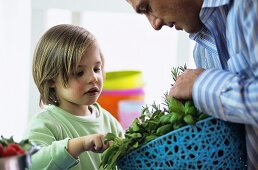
x=214, y=3
x=209, y=6
x=207, y=9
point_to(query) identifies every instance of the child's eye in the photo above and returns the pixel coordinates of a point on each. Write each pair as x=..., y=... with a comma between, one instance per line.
x=79, y=74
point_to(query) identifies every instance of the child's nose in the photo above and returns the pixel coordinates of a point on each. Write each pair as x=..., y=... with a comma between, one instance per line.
x=92, y=77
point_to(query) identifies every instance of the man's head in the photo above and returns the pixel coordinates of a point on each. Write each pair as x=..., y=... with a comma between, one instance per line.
x=182, y=14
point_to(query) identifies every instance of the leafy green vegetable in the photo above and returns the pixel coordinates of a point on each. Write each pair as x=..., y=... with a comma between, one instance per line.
x=109, y=137
x=154, y=121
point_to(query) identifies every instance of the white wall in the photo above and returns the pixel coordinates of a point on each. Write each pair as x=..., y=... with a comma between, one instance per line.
x=14, y=66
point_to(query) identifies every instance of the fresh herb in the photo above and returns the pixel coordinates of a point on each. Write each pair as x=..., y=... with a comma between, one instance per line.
x=176, y=71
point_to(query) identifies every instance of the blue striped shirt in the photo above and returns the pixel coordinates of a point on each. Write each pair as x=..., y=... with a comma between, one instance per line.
x=227, y=47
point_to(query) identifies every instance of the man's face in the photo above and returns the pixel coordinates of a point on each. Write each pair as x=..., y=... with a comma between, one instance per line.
x=181, y=14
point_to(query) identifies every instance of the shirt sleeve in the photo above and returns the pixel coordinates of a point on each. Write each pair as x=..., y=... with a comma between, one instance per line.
x=52, y=154
x=226, y=96
x=229, y=95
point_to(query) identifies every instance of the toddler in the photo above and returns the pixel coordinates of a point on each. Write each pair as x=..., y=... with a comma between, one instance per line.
x=68, y=70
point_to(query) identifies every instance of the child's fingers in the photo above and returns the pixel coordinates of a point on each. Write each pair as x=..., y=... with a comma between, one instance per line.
x=100, y=146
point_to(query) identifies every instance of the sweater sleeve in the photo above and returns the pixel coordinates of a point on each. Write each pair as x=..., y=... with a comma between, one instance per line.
x=53, y=153
x=53, y=157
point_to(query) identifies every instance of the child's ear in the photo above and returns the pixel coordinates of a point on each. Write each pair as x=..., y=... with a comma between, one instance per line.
x=51, y=83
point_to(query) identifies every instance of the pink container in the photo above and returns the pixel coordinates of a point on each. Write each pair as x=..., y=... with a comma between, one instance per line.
x=122, y=104
x=128, y=111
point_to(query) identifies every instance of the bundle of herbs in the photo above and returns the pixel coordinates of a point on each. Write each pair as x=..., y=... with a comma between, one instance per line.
x=154, y=121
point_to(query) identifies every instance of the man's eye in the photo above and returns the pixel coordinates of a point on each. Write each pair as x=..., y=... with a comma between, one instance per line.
x=144, y=9
x=97, y=69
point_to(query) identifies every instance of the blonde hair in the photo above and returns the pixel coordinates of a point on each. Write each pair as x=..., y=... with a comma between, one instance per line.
x=59, y=52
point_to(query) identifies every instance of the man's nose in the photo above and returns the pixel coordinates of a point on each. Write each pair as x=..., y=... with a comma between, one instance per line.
x=155, y=22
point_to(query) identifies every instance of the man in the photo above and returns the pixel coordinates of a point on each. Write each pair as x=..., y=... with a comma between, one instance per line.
x=225, y=83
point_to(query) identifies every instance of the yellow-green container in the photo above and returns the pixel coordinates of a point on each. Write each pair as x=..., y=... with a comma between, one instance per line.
x=123, y=80
x=122, y=86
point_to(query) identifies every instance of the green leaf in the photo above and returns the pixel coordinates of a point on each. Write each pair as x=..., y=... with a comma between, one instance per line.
x=112, y=163
x=176, y=71
x=189, y=119
x=5, y=141
x=175, y=105
x=190, y=108
x=165, y=119
x=134, y=135
x=26, y=144
x=135, y=126
x=109, y=137
x=136, y=145
x=150, y=138
x=178, y=125
x=176, y=117
x=106, y=156
x=164, y=129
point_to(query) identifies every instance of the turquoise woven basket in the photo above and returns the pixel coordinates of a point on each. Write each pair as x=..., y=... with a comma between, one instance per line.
x=211, y=144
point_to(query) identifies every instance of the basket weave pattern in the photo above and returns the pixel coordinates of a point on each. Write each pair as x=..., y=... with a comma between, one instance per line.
x=210, y=144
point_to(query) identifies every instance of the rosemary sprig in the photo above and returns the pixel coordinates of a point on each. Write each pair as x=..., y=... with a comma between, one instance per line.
x=176, y=71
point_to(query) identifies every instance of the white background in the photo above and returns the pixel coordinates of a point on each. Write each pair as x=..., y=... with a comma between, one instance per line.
x=127, y=40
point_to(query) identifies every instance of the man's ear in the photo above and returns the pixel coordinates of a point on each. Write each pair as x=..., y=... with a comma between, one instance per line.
x=51, y=83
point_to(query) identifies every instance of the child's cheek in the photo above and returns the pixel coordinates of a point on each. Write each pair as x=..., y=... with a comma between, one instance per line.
x=78, y=88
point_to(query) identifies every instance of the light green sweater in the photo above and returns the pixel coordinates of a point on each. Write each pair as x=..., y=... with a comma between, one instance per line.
x=52, y=128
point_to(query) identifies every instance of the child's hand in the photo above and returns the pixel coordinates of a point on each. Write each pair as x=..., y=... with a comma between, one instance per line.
x=94, y=143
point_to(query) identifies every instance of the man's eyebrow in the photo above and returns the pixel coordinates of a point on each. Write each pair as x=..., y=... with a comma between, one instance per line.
x=137, y=9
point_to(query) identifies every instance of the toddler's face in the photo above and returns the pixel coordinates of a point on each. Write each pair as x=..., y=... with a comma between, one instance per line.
x=86, y=85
